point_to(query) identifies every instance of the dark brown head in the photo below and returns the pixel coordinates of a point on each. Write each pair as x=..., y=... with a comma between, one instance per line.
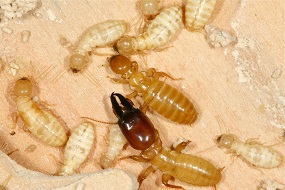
x=136, y=126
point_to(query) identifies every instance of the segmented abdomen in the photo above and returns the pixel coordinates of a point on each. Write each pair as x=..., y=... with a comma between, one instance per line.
x=187, y=168
x=259, y=155
x=117, y=141
x=198, y=12
x=77, y=148
x=169, y=102
x=41, y=123
x=161, y=30
x=101, y=34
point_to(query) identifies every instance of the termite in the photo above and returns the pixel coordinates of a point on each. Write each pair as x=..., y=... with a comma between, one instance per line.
x=161, y=30
x=161, y=97
x=252, y=152
x=41, y=123
x=139, y=131
x=99, y=35
x=197, y=13
x=77, y=148
x=115, y=145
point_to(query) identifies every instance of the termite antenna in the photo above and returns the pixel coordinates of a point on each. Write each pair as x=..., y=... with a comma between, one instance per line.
x=59, y=74
x=137, y=20
x=221, y=123
x=207, y=149
x=98, y=121
x=66, y=43
x=89, y=76
x=44, y=72
x=143, y=57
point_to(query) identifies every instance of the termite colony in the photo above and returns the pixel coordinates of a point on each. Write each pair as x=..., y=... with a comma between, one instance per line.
x=162, y=25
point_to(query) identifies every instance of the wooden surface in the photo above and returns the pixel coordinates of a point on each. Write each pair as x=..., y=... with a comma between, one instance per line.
x=239, y=88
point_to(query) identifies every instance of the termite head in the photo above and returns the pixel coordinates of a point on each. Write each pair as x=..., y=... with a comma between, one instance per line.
x=149, y=7
x=77, y=62
x=136, y=126
x=23, y=87
x=226, y=140
x=120, y=64
x=105, y=162
x=124, y=45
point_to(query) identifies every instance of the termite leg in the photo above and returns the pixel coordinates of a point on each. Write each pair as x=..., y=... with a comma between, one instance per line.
x=142, y=23
x=135, y=158
x=156, y=75
x=160, y=74
x=144, y=107
x=135, y=66
x=144, y=174
x=45, y=105
x=253, y=141
x=132, y=95
x=220, y=169
x=160, y=49
x=181, y=146
x=122, y=81
x=143, y=26
x=166, y=178
x=151, y=72
x=275, y=144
